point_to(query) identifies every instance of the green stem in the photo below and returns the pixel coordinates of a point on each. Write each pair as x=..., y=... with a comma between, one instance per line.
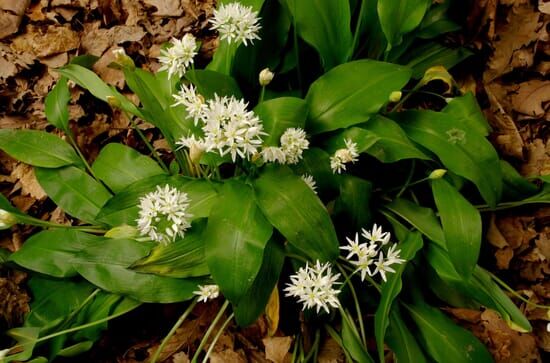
x=295, y=350
x=77, y=149
x=314, y=347
x=356, y=302
x=515, y=293
x=297, y=257
x=216, y=337
x=40, y=223
x=357, y=29
x=262, y=95
x=408, y=181
x=148, y=144
x=209, y=331
x=173, y=330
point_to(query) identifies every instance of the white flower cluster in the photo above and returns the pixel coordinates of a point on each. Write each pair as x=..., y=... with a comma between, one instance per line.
x=179, y=56
x=163, y=214
x=207, y=292
x=313, y=286
x=308, y=179
x=192, y=101
x=343, y=156
x=293, y=143
x=228, y=127
x=236, y=23
x=370, y=254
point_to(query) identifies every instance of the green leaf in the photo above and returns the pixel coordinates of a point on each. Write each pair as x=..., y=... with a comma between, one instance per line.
x=87, y=79
x=279, y=114
x=210, y=83
x=235, y=239
x=465, y=110
x=76, y=349
x=351, y=93
x=461, y=225
x=38, y=148
x=56, y=105
x=437, y=21
x=294, y=209
x=253, y=303
x=516, y=187
x=123, y=207
x=325, y=25
x=316, y=162
x=421, y=218
x=182, y=258
x=351, y=341
x=442, y=339
x=401, y=341
x=352, y=207
x=399, y=17
x=409, y=247
x=105, y=265
x=26, y=339
x=51, y=252
x=422, y=58
x=118, y=166
x=462, y=150
x=74, y=191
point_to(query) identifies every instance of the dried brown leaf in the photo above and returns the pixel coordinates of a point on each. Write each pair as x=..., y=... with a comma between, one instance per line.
x=276, y=348
x=530, y=96
x=27, y=182
x=166, y=7
x=46, y=42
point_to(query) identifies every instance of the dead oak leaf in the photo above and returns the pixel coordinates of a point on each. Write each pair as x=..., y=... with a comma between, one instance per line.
x=97, y=40
x=166, y=7
x=27, y=181
x=530, y=96
x=46, y=42
x=11, y=14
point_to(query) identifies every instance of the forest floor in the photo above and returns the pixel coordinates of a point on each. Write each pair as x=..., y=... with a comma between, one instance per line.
x=508, y=73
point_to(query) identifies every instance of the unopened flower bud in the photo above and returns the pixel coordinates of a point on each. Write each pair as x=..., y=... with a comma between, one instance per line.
x=195, y=152
x=6, y=219
x=395, y=96
x=437, y=174
x=124, y=231
x=266, y=76
x=4, y=353
x=122, y=59
x=113, y=101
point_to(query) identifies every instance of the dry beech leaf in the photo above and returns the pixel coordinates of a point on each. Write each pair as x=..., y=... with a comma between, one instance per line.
x=110, y=75
x=47, y=42
x=28, y=182
x=530, y=96
x=276, y=348
x=166, y=7
x=331, y=352
x=538, y=158
x=228, y=356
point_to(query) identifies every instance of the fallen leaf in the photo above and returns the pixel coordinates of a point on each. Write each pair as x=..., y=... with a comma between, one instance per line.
x=272, y=311
x=276, y=348
x=44, y=43
x=228, y=356
x=11, y=14
x=331, y=352
x=166, y=7
x=530, y=96
x=27, y=181
x=538, y=158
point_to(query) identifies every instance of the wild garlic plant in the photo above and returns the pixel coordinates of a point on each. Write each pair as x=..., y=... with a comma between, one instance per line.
x=299, y=162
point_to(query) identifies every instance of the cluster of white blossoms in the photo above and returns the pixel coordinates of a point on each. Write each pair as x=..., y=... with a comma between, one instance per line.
x=207, y=292
x=314, y=287
x=293, y=143
x=370, y=255
x=179, y=56
x=236, y=23
x=308, y=179
x=343, y=156
x=163, y=214
x=227, y=125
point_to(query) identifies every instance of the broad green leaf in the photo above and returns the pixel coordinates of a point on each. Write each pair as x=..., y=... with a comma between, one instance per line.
x=351, y=341
x=279, y=114
x=76, y=349
x=294, y=209
x=363, y=140
x=74, y=191
x=50, y=252
x=374, y=39
x=352, y=93
x=316, y=162
x=105, y=265
x=409, y=247
x=38, y=148
x=432, y=54
x=401, y=341
x=183, y=258
x=87, y=79
x=352, y=207
x=421, y=218
x=437, y=21
x=442, y=339
x=465, y=110
x=461, y=226
x=235, y=238
x=399, y=17
x=462, y=150
x=325, y=25
x=85, y=60
x=26, y=340
x=210, y=83
x=516, y=187
x=123, y=208
x=253, y=303
x=118, y=166
x=56, y=105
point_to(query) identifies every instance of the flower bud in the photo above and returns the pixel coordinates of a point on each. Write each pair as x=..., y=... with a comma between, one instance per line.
x=3, y=354
x=266, y=76
x=122, y=59
x=6, y=219
x=395, y=96
x=437, y=174
x=195, y=152
x=124, y=231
